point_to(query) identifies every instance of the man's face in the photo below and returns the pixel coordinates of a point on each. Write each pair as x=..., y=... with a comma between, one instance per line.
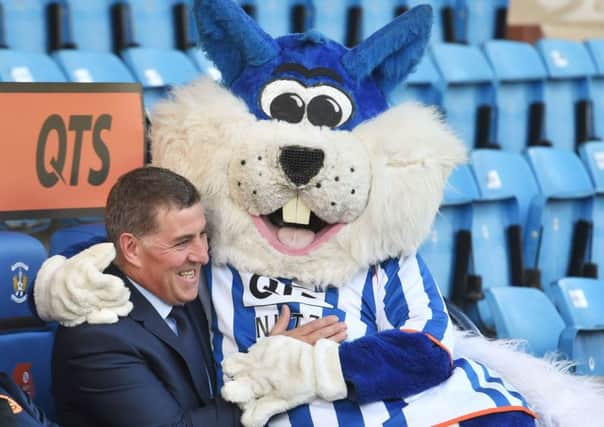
x=171, y=257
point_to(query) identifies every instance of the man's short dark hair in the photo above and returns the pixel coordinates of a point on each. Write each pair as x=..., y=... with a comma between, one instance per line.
x=137, y=195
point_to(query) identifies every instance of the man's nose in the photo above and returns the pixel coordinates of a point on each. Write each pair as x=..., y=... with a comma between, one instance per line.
x=199, y=251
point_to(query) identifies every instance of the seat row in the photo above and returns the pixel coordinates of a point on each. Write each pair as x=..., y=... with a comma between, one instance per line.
x=514, y=95
x=113, y=25
x=523, y=228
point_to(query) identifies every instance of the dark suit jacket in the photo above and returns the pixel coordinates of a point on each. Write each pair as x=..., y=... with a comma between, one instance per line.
x=26, y=414
x=132, y=373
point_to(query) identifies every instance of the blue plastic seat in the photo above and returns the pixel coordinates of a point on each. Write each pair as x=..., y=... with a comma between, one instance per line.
x=478, y=21
x=468, y=94
x=376, y=14
x=22, y=66
x=569, y=68
x=92, y=66
x=280, y=17
x=562, y=213
x=67, y=237
x=91, y=24
x=155, y=24
x=454, y=216
x=25, y=24
x=581, y=303
x=331, y=18
x=158, y=70
x=520, y=76
x=203, y=64
x=592, y=155
x=527, y=314
x=506, y=187
x=596, y=50
x=25, y=341
x=421, y=85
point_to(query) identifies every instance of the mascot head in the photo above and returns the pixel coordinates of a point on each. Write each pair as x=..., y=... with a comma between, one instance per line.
x=304, y=169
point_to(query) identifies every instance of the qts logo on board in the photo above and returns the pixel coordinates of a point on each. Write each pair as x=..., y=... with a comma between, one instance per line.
x=65, y=144
x=71, y=134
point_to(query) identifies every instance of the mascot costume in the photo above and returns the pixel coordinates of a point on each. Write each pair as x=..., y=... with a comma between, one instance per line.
x=318, y=195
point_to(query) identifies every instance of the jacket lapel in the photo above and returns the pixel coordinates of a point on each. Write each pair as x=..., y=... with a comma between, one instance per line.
x=144, y=313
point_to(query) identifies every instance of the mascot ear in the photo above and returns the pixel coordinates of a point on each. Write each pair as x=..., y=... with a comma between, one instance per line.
x=392, y=52
x=231, y=39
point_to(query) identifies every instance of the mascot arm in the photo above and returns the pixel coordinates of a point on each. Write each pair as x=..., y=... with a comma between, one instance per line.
x=75, y=290
x=413, y=350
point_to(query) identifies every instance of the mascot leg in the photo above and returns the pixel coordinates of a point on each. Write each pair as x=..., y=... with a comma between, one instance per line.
x=507, y=419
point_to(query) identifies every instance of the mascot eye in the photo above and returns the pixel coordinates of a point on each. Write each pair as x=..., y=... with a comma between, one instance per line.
x=324, y=111
x=328, y=106
x=288, y=107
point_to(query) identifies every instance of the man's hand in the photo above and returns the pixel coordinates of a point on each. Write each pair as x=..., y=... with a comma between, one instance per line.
x=75, y=290
x=326, y=327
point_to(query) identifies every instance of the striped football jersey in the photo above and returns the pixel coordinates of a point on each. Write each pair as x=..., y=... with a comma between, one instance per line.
x=395, y=294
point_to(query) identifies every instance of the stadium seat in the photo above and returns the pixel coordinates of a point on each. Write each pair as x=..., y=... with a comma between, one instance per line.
x=91, y=24
x=158, y=70
x=25, y=341
x=160, y=24
x=203, y=64
x=503, y=181
x=526, y=314
x=500, y=175
x=447, y=248
x=596, y=49
x=478, y=21
x=581, y=303
x=25, y=24
x=421, y=85
x=567, y=103
x=592, y=155
x=68, y=237
x=92, y=66
x=22, y=66
x=519, y=77
x=563, y=214
x=376, y=14
x=280, y=17
x=334, y=19
x=468, y=95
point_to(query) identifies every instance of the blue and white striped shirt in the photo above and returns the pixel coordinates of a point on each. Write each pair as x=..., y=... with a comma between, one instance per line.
x=397, y=294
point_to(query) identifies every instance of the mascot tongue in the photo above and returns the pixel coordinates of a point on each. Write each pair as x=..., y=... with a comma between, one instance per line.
x=295, y=212
x=295, y=238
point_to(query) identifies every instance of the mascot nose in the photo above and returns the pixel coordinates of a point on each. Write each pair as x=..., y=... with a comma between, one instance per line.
x=300, y=164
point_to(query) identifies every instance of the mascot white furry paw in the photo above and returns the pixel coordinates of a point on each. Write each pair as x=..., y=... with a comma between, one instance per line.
x=317, y=196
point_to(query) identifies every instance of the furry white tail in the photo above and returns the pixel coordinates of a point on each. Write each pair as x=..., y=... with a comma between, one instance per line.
x=559, y=398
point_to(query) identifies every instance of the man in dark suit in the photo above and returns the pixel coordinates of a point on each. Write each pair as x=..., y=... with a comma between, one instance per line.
x=154, y=366
x=16, y=407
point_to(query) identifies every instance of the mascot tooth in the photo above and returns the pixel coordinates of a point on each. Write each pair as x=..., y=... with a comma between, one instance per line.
x=317, y=195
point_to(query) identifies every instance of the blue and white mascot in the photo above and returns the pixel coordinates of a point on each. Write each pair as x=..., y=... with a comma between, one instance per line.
x=318, y=195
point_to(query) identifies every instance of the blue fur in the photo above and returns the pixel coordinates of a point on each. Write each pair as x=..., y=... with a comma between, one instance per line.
x=231, y=38
x=393, y=364
x=391, y=53
x=311, y=51
x=247, y=56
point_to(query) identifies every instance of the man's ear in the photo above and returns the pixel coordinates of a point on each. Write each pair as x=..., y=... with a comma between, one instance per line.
x=129, y=249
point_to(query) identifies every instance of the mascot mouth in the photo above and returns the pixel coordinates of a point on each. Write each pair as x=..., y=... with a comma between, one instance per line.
x=294, y=229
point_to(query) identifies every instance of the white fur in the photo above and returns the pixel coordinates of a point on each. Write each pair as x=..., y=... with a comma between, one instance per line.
x=279, y=373
x=558, y=398
x=75, y=291
x=407, y=151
